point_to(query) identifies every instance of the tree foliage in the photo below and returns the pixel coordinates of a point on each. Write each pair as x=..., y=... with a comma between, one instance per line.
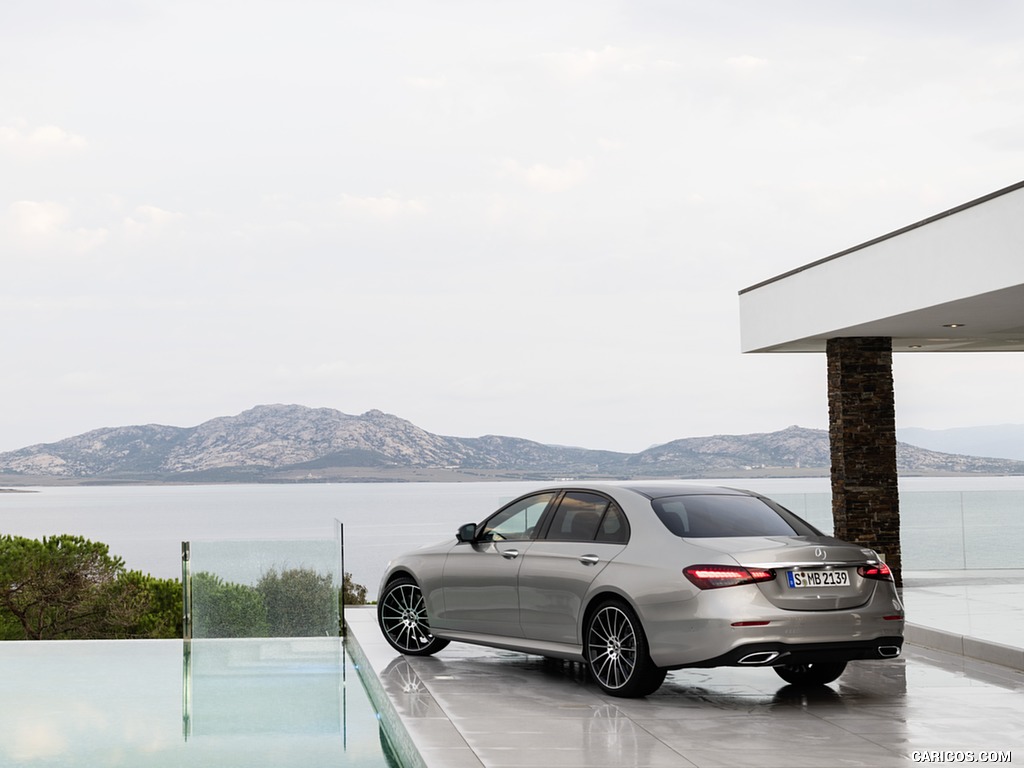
x=67, y=587
x=296, y=602
x=163, y=615
x=225, y=609
x=353, y=593
x=300, y=602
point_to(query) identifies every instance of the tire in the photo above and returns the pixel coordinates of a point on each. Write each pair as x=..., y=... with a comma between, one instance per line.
x=617, y=652
x=815, y=673
x=402, y=616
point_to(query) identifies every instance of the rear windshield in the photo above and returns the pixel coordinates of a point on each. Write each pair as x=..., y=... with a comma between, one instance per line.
x=720, y=515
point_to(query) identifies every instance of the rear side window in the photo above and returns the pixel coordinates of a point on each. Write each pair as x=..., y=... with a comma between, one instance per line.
x=699, y=517
x=585, y=516
x=614, y=527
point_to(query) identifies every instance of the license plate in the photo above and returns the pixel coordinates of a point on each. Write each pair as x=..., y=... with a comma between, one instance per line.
x=801, y=579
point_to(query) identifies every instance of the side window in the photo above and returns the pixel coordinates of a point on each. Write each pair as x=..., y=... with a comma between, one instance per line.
x=518, y=520
x=614, y=527
x=578, y=517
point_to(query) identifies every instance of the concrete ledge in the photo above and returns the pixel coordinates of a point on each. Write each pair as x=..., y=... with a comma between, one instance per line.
x=963, y=645
x=386, y=712
x=418, y=727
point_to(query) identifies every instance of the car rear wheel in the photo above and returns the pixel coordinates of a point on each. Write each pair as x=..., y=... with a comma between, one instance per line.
x=816, y=673
x=402, y=616
x=617, y=652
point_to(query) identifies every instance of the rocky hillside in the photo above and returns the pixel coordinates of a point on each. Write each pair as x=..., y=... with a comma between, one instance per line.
x=294, y=443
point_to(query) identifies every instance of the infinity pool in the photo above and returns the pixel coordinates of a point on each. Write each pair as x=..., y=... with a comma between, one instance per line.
x=277, y=702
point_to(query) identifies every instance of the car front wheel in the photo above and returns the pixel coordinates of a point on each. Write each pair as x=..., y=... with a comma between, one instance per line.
x=402, y=616
x=816, y=673
x=617, y=652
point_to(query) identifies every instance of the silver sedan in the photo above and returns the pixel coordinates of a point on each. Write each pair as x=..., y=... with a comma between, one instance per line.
x=638, y=579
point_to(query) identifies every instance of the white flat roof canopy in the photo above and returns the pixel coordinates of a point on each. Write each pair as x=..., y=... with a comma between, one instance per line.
x=951, y=283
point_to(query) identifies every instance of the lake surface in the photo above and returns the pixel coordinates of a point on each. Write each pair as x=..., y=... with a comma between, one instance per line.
x=974, y=522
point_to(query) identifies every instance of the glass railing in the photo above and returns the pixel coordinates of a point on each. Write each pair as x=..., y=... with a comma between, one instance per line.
x=941, y=530
x=282, y=588
x=262, y=623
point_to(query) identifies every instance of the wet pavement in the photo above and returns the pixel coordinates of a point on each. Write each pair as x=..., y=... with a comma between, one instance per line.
x=979, y=614
x=472, y=706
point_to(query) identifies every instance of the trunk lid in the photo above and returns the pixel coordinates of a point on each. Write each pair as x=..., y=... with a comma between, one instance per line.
x=813, y=573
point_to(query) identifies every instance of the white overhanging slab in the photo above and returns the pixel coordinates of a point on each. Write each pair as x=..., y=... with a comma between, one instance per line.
x=951, y=283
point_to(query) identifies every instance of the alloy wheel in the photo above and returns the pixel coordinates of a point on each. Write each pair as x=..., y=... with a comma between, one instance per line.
x=617, y=653
x=402, y=615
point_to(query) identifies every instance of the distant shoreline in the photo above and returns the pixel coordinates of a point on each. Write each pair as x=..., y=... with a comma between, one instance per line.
x=434, y=475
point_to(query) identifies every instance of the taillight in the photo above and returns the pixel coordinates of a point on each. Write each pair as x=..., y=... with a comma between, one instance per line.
x=879, y=571
x=718, y=576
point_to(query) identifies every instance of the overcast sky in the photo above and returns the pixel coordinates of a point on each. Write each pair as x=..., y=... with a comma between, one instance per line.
x=521, y=218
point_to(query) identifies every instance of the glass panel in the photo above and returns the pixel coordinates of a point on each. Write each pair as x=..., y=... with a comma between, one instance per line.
x=283, y=588
x=931, y=530
x=265, y=685
x=815, y=508
x=940, y=530
x=992, y=522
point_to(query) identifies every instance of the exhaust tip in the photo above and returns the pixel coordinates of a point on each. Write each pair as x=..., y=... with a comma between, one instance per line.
x=761, y=657
x=888, y=651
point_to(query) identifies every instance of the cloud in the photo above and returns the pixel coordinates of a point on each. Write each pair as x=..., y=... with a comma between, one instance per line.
x=744, y=64
x=44, y=224
x=548, y=178
x=578, y=64
x=36, y=741
x=1003, y=138
x=386, y=208
x=148, y=220
x=426, y=83
x=41, y=140
x=32, y=219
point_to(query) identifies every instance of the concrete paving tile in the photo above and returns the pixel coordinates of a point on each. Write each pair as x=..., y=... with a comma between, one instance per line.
x=870, y=756
x=436, y=733
x=754, y=733
x=446, y=757
x=571, y=757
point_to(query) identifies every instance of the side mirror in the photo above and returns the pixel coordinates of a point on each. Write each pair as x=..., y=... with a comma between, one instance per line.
x=466, y=532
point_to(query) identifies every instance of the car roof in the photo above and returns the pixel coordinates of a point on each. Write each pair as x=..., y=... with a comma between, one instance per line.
x=657, y=489
x=660, y=490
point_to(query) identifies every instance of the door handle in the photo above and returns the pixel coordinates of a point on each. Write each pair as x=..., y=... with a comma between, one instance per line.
x=589, y=559
x=510, y=554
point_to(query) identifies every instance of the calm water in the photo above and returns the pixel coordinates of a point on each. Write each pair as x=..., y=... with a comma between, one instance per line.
x=268, y=703
x=947, y=522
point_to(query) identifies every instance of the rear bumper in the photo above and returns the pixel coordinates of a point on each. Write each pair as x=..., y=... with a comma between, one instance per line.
x=721, y=626
x=776, y=654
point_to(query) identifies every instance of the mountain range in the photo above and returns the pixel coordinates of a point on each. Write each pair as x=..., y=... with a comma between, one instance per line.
x=1003, y=440
x=295, y=443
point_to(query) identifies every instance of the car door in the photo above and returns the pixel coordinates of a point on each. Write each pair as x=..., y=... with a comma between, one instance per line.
x=586, y=532
x=481, y=576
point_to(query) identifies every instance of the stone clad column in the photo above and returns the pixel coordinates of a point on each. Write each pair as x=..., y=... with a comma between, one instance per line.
x=862, y=435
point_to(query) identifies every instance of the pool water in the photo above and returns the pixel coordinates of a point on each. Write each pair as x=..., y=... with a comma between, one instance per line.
x=277, y=702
